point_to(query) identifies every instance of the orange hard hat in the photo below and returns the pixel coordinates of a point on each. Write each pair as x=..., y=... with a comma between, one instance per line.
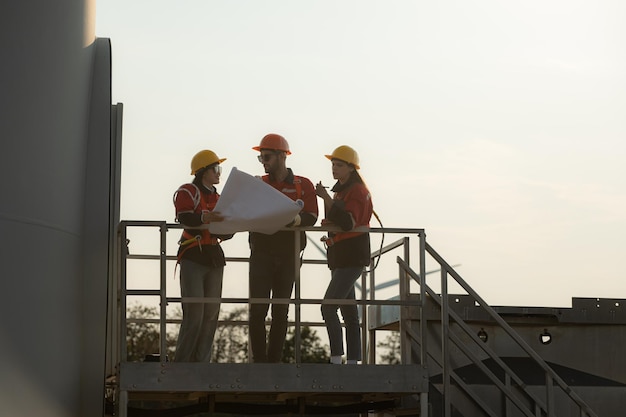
x=275, y=142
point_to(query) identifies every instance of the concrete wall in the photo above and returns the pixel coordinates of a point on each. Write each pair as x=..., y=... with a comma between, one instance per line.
x=52, y=120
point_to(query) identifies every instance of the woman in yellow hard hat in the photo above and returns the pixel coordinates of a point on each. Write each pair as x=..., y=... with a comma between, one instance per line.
x=200, y=256
x=348, y=251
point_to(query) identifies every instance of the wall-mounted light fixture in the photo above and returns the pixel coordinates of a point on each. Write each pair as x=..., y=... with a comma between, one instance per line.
x=482, y=335
x=545, y=338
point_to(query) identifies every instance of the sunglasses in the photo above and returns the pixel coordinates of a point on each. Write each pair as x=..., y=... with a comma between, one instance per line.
x=266, y=157
x=215, y=168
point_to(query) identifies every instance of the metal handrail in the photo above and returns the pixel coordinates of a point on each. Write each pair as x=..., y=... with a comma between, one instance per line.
x=550, y=373
x=541, y=407
x=368, y=298
x=465, y=350
x=297, y=301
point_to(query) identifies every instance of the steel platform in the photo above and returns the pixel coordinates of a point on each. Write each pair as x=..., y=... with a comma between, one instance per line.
x=303, y=389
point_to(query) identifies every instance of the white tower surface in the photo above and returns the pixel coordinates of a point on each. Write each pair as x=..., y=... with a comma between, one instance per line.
x=59, y=182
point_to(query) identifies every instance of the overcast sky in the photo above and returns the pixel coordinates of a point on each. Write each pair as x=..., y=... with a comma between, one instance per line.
x=498, y=127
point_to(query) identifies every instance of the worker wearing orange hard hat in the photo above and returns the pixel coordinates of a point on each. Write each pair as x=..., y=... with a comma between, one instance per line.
x=348, y=251
x=272, y=257
x=200, y=256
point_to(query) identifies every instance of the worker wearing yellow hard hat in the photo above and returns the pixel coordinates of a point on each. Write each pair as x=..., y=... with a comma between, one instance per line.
x=200, y=257
x=204, y=159
x=348, y=251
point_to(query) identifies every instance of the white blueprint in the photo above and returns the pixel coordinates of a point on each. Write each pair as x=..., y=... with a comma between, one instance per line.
x=249, y=204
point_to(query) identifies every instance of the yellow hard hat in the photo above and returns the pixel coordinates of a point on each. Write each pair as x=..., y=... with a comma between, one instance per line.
x=275, y=142
x=346, y=154
x=204, y=159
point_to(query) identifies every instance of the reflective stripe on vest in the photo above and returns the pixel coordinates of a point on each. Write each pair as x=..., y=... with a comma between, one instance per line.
x=296, y=182
x=193, y=241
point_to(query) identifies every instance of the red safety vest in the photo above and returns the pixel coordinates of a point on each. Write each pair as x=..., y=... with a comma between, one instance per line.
x=190, y=195
x=296, y=182
x=334, y=237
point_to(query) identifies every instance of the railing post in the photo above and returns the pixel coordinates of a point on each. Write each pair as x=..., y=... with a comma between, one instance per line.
x=371, y=347
x=162, y=292
x=121, y=292
x=550, y=395
x=506, y=406
x=123, y=405
x=297, y=305
x=422, y=304
x=423, y=321
x=113, y=287
x=407, y=258
x=122, y=400
x=445, y=343
x=405, y=345
x=363, y=311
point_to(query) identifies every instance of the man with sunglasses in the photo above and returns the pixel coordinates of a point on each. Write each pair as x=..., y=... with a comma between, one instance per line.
x=200, y=257
x=272, y=257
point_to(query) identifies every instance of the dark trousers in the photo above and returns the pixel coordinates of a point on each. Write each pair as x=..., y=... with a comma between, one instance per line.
x=269, y=275
x=341, y=287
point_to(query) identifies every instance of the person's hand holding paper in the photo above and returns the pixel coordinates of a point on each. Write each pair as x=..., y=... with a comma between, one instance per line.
x=249, y=204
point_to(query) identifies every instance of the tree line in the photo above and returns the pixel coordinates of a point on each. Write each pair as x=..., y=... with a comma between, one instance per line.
x=231, y=339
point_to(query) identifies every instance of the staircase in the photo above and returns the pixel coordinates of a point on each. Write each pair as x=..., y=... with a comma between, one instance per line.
x=468, y=376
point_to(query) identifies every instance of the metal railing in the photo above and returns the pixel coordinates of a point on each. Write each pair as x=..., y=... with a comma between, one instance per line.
x=413, y=324
x=368, y=297
x=512, y=387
